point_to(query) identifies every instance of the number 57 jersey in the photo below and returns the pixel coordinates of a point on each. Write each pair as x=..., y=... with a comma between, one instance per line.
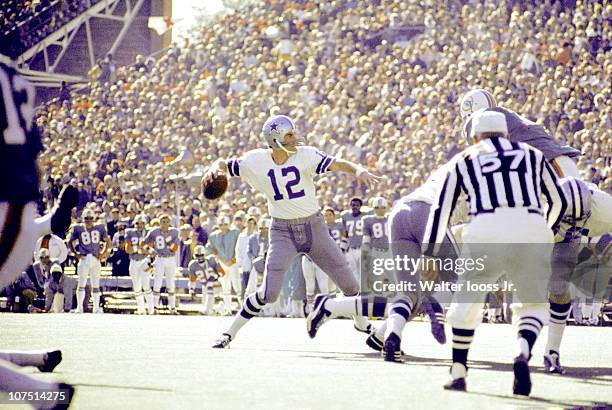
x=289, y=187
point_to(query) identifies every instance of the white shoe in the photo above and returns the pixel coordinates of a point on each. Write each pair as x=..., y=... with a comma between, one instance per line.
x=140, y=312
x=98, y=310
x=77, y=310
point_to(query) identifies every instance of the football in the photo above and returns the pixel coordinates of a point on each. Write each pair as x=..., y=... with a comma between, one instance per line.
x=215, y=188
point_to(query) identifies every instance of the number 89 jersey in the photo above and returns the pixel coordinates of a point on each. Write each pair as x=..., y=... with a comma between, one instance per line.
x=289, y=187
x=89, y=240
x=20, y=142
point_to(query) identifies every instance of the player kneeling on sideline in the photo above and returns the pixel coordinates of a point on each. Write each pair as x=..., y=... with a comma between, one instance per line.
x=284, y=172
x=504, y=182
x=90, y=243
x=589, y=214
x=54, y=285
x=202, y=269
x=164, y=242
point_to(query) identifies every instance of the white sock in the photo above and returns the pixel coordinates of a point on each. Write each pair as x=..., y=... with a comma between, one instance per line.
x=80, y=299
x=96, y=298
x=251, y=308
x=522, y=347
x=380, y=332
x=155, y=299
x=227, y=301
x=395, y=323
x=32, y=358
x=458, y=371
x=172, y=301
x=347, y=306
x=140, y=302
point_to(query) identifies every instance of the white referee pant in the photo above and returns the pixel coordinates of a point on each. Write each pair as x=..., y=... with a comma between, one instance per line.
x=141, y=284
x=354, y=259
x=509, y=229
x=314, y=276
x=231, y=280
x=165, y=268
x=19, y=230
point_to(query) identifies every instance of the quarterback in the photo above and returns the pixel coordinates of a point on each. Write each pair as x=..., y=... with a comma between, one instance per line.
x=284, y=172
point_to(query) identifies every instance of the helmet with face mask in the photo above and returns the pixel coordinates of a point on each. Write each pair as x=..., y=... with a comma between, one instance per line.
x=275, y=131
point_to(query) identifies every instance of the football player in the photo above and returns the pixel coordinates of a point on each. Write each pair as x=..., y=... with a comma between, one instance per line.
x=163, y=242
x=589, y=214
x=284, y=172
x=202, y=269
x=407, y=223
x=140, y=265
x=520, y=129
x=375, y=243
x=90, y=243
x=20, y=226
x=353, y=223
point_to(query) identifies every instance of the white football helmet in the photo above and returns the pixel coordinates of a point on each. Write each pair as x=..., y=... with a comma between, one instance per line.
x=140, y=220
x=275, y=130
x=379, y=202
x=475, y=100
x=264, y=223
x=88, y=215
x=199, y=253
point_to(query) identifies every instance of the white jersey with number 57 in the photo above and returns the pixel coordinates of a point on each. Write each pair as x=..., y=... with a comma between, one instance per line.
x=289, y=187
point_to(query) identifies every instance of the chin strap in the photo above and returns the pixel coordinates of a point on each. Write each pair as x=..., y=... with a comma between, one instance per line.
x=281, y=146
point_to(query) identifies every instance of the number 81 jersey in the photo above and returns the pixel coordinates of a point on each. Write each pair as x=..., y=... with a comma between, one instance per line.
x=289, y=187
x=89, y=240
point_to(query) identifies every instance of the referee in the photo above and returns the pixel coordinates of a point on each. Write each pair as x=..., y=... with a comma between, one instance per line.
x=505, y=183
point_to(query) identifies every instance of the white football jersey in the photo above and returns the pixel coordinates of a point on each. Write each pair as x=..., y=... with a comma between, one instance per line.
x=427, y=192
x=289, y=187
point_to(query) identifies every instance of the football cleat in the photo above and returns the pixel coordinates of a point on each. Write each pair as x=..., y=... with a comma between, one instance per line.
x=522, y=379
x=174, y=312
x=52, y=359
x=552, y=364
x=435, y=313
x=68, y=389
x=223, y=342
x=318, y=316
x=374, y=342
x=456, y=384
x=62, y=216
x=98, y=309
x=392, y=351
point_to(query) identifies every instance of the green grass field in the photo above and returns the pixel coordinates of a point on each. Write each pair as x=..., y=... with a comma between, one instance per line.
x=163, y=362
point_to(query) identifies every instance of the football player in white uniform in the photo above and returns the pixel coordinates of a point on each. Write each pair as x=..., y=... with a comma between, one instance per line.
x=588, y=215
x=284, y=172
x=140, y=265
x=91, y=244
x=163, y=242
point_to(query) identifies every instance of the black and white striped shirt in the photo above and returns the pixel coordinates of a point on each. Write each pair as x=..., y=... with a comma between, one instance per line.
x=495, y=173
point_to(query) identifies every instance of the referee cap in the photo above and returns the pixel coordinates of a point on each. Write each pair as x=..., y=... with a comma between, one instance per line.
x=489, y=122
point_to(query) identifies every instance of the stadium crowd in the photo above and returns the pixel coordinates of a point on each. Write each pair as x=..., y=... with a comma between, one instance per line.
x=32, y=20
x=391, y=102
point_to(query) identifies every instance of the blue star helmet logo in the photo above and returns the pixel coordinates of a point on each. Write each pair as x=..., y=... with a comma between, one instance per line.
x=273, y=126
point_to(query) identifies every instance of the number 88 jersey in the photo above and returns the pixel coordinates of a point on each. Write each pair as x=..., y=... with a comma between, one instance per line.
x=289, y=187
x=89, y=240
x=20, y=142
